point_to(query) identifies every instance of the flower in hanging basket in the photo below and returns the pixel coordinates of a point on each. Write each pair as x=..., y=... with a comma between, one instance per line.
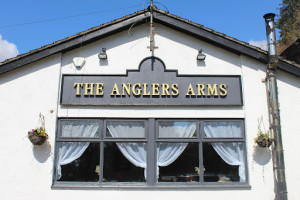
x=263, y=139
x=37, y=136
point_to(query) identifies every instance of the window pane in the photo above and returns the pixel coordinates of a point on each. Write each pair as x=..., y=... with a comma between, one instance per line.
x=223, y=162
x=223, y=129
x=177, y=129
x=125, y=129
x=79, y=161
x=124, y=162
x=178, y=162
x=79, y=128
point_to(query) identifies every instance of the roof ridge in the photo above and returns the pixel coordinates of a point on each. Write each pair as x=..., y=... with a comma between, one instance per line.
x=211, y=30
x=202, y=32
x=57, y=42
x=95, y=28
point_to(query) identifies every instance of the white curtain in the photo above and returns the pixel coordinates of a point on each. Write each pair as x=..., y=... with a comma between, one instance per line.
x=176, y=129
x=136, y=153
x=79, y=128
x=126, y=129
x=167, y=153
x=231, y=152
x=70, y=151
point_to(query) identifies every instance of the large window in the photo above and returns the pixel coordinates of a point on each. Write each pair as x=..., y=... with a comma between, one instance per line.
x=150, y=153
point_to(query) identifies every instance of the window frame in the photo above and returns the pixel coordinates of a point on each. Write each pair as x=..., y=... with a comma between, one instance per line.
x=151, y=139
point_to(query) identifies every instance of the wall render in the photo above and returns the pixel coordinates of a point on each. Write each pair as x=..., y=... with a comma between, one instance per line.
x=27, y=170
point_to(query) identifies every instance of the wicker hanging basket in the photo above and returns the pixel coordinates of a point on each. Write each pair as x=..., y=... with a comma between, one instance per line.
x=263, y=138
x=37, y=139
x=264, y=142
x=38, y=136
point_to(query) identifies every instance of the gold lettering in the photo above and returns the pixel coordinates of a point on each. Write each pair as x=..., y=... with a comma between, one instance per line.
x=78, y=86
x=212, y=91
x=190, y=91
x=201, y=88
x=115, y=91
x=165, y=89
x=145, y=90
x=155, y=89
x=126, y=88
x=136, y=91
x=89, y=89
x=223, y=90
x=175, y=91
x=99, y=89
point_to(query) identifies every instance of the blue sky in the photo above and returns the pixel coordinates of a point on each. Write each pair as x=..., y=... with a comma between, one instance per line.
x=239, y=19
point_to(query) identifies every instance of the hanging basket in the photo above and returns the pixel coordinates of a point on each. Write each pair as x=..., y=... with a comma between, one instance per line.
x=264, y=142
x=37, y=139
x=38, y=136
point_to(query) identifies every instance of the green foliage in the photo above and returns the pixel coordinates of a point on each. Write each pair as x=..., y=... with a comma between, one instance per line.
x=262, y=136
x=289, y=21
x=38, y=131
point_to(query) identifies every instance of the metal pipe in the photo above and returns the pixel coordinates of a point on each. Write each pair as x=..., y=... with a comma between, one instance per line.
x=274, y=113
x=271, y=39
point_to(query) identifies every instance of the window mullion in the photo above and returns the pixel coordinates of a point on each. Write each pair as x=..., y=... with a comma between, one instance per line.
x=151, y=153
x=201, y=165
x=104, y=144
x=101, y=135
x=101, y=162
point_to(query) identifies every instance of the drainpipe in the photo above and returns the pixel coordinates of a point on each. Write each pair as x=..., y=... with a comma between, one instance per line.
x=274, y=114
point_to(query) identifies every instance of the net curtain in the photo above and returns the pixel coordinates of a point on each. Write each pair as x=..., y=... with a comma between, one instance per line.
x=231, y=152
x=167, y=153
x=136, y=153
x=70, y=151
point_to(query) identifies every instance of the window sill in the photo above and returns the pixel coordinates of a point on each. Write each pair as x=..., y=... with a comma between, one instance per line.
x=158, y=186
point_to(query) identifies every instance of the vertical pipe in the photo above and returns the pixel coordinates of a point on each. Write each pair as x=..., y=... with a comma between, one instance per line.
x=271, y=39
x=274, y=113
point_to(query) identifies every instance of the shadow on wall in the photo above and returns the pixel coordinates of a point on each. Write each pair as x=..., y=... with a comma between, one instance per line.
x=103, y=62
x=201, y=63
x=42, y=152
x=262, y=156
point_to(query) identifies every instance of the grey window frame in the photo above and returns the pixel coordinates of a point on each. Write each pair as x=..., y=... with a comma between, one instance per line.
x=151, y=139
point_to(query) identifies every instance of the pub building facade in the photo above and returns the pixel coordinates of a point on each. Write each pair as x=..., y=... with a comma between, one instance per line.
x=130, y=114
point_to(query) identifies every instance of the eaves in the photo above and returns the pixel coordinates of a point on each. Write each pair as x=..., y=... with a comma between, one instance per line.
x=140, y=17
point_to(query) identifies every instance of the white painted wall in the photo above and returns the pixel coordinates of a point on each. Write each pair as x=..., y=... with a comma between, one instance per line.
x=289, y=95
x=255, y=106
x=177, y=50
x=26, y=171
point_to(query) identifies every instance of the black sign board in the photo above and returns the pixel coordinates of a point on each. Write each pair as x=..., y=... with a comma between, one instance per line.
x=150, y=85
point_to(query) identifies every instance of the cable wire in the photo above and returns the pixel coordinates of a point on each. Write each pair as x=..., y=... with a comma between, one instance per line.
x=68, y=17
x=162, y=5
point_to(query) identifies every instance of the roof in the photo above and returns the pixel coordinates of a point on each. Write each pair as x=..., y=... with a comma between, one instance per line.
x=140, y=17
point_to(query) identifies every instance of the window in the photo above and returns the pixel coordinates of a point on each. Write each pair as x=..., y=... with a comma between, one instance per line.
x=150, y=153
